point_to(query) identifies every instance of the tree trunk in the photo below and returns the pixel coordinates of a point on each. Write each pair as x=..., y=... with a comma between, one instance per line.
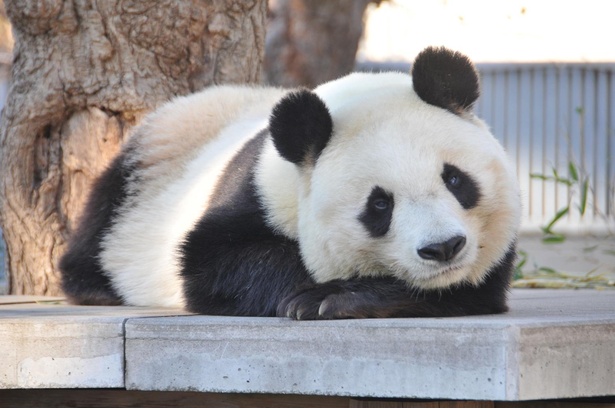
x=312, y=41
x=84, y=73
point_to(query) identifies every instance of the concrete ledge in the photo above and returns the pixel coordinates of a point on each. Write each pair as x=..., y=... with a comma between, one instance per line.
x=49, y=345
x=553, y=344
x=356, y=358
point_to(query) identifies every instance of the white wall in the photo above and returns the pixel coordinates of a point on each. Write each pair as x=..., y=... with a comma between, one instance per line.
x=493, y=30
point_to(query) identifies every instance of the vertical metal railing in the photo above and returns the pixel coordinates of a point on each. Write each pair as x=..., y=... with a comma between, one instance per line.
x=549, y=116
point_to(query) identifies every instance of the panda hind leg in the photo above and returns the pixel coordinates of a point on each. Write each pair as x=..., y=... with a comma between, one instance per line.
x=83, y=278
x=83, y=281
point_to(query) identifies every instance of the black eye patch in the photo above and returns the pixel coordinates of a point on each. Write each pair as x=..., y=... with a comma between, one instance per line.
x=461, y=185
x=376, y=217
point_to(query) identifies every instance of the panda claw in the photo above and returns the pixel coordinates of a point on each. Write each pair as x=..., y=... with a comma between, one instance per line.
x=306, y=313
x=315, y=305
x=336, y=307
x=322, y=310
x=292, y=309
x=329, y=309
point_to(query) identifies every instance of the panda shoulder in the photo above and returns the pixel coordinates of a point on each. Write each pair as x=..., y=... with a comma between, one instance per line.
x=172, y=133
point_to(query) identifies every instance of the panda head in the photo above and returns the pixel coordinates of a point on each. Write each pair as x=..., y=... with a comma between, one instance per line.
x=396, y=176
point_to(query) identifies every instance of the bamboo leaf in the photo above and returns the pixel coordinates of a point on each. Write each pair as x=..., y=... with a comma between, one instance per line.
x=541, y=176
x=561, y=213
x=572, y=172
x=548, y=270
x=567, y=182
x=553, y=238
x=556, y=178
x=584, y=190
x=522, y=257
x=518, y=275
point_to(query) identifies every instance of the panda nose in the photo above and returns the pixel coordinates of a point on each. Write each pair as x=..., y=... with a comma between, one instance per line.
x=444, y=251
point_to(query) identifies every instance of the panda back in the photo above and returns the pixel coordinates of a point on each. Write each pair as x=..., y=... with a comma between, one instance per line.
x=181, y=152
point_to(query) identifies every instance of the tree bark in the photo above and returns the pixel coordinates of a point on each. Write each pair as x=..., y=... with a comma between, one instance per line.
x=312, y=41
x=84, y=73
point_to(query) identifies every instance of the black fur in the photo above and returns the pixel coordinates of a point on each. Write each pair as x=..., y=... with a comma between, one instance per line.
x=378, y=212
x=232, y=262
x=461, y=185
x=386, y=297
x=83, y=279
x=446, y=79
x=301, y=127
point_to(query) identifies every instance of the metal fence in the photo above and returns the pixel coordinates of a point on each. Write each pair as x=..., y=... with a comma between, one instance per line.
x=551, y=118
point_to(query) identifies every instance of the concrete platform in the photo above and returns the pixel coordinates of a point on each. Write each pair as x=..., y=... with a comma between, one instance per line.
x=553, y=344
x=50, y=345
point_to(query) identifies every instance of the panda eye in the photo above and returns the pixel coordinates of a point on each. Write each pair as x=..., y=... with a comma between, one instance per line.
x=378, y=212
x=465, y=189
x=380, y=204
x=454, y=180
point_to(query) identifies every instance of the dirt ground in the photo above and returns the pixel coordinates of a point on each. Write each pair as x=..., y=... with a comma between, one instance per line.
x=576, y=259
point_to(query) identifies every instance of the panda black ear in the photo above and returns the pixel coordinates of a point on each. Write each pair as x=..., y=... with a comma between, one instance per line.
x=301, y=126
x=446, y=79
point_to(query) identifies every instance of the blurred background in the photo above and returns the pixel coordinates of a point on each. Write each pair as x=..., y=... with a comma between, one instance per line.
x=548, y=94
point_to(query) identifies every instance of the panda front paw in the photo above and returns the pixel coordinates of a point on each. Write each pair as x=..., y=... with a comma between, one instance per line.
x=313, y=304
x=336, y=300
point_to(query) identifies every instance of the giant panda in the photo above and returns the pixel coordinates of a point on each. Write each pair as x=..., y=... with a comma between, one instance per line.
x=374, y=195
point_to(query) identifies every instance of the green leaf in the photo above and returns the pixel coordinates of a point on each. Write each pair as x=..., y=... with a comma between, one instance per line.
x=572, y=172
x=561, y=213
x=541, y=176
x=556, y=178
x=553, y=238
x=584, y=190
x=567, y=182
x=522, y=256
x=548, y=270
x=518, y=275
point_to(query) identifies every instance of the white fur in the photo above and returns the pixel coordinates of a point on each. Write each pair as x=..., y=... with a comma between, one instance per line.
x=278, y=181
x=183, y=149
